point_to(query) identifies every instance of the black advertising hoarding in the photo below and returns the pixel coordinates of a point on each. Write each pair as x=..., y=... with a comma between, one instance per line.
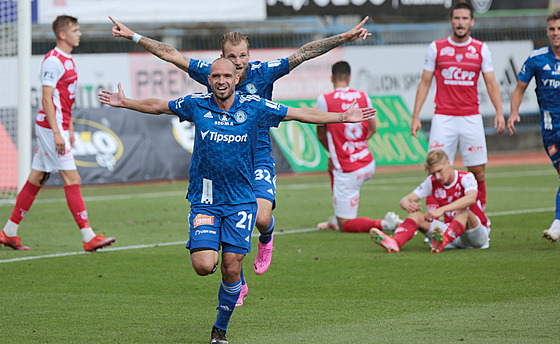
x=386, y=10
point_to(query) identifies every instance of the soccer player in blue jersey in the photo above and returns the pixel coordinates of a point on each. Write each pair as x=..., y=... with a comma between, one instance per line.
x=221, y=194
x=544, y=65
x=255, y=78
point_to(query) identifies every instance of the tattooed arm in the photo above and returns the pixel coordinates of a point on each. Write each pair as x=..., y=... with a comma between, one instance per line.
x=159, y=49
x=318, y=48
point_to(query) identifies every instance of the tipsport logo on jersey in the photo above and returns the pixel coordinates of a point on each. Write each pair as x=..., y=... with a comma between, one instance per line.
x=184, y=132
x=96, y=145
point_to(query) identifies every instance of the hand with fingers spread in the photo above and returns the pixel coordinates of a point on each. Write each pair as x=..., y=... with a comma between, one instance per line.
x=115, y=99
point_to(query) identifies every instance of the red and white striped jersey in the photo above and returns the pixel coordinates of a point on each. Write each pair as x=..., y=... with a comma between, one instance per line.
x=347, y=142
x=445, y=194
x=59, y=71
x=457, y=67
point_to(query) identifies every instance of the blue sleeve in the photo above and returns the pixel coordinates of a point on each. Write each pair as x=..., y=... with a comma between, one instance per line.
x=271, y=113
x=527, y=71
x=199, y=71
x=277, y=69
x=181, y=109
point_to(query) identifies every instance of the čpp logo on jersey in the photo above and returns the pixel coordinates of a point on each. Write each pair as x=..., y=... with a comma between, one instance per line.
x=217, y=137
x=201, y=220
x=96, y=145
x=458, y=76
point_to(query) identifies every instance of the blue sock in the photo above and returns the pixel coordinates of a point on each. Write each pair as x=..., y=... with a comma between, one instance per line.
x=227, y=297
x=266, y=235
x=557, y=215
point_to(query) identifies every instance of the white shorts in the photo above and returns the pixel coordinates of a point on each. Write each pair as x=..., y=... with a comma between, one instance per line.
x=346, y=190
x=46, y=159
x=466, y=239
x=466, y=132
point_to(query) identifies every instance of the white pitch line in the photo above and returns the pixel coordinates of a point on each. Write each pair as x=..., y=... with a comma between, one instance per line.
x=135, y=247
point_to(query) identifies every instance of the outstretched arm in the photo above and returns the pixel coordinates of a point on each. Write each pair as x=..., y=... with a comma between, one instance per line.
x=318, y=48
x=309, y=115
x=118, y=99
x=159, y=49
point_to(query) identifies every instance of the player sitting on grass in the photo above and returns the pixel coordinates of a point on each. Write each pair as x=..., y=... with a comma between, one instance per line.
x=465, y=225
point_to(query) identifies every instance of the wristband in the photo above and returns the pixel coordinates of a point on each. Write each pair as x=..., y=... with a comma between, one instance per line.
x=340, y=119
x=136, y=38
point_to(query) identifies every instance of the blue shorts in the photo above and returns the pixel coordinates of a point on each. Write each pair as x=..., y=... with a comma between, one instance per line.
x=229, y=225
x=265, y=180
x=551, y=143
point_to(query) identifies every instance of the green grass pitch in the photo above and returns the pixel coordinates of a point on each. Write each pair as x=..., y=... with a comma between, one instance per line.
x=322, y=286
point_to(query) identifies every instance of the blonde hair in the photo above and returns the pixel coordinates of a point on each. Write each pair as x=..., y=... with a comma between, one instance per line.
x=437, y=156
x=235, y=38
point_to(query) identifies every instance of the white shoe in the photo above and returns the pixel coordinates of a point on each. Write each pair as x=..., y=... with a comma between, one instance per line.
x=330, y=224
x=553, y=233
x=391, y=221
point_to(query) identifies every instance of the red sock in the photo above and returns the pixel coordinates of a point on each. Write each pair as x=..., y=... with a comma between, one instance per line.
x=76, y=205
x=457, y=228
x=482, y=194
x=360, y=225
x=405, y=231
x=24, y=201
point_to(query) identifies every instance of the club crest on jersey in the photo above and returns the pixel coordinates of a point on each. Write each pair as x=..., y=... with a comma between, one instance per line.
x=240, y=116
x=201, y=220
x=459, y=57
x=251, y=88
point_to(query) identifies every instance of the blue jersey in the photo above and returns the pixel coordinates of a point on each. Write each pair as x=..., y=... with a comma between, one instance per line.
x=222, y=164
x=259, y=80
x=545, y=67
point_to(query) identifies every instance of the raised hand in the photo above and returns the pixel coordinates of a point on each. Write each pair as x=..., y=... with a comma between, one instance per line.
x=120, y=30
x=357, y=32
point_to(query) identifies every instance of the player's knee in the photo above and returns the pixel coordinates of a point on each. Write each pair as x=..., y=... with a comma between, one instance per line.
x=263, y=220
x=204, y=269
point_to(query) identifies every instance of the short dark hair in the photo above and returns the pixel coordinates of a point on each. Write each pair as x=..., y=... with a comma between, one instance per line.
x=341, y=70
x=553, y=16
x=461, y=6
x=61, y=23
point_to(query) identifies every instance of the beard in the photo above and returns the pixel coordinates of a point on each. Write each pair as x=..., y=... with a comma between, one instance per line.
x=467, y=32
x=224, y=97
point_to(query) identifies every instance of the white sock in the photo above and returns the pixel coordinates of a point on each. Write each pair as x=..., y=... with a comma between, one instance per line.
x=87, y=234
x=10, y=229
x=475, y=237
